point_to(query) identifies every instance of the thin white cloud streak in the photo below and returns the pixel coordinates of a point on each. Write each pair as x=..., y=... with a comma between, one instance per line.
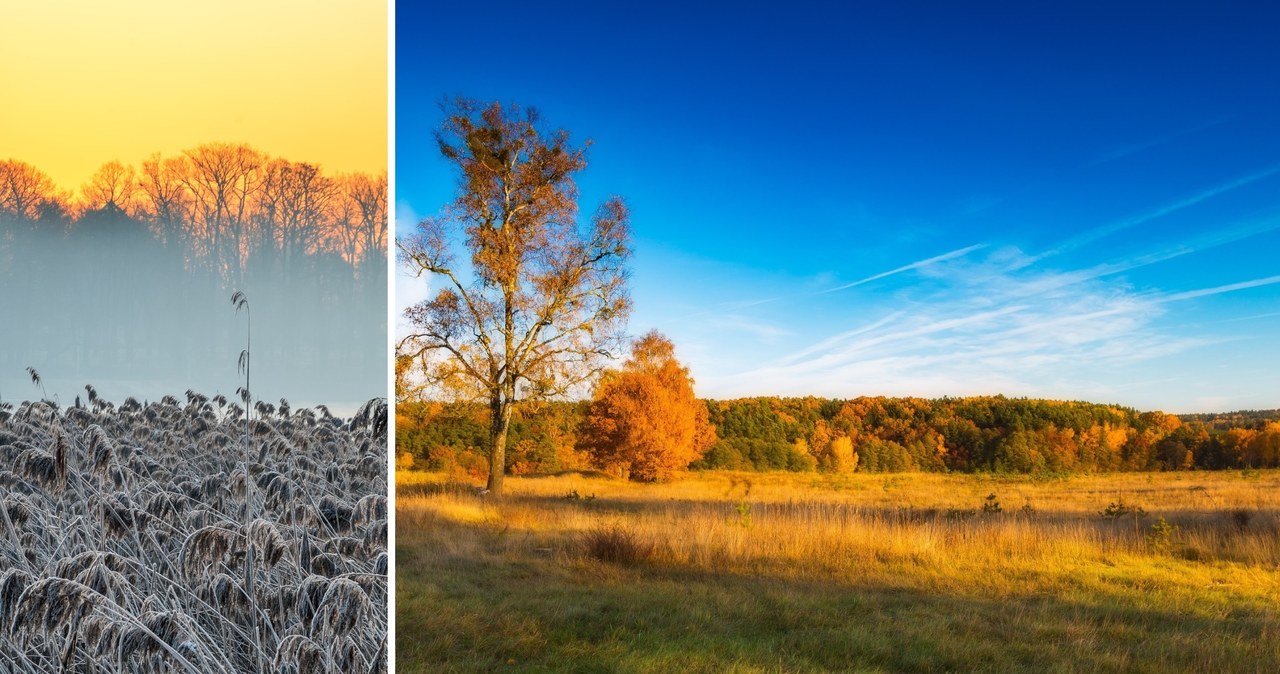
x=763, y=330
x=1254, y=317
x=1198, y=244
x=1060, y=280
x=914, y=265
x=1121, y=225
x=1231, y=287
x=992, y=326
x=914, y=331
x=919, y=264
x=992, y=329
x=745, y=304
x=830, y=342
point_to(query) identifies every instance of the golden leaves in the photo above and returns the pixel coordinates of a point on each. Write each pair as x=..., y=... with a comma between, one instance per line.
x=645, y=420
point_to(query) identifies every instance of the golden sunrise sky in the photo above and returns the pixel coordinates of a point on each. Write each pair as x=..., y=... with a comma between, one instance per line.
x=85, y=82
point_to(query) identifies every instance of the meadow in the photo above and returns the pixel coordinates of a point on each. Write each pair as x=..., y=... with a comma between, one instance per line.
x=812, y=572
x=176, y=536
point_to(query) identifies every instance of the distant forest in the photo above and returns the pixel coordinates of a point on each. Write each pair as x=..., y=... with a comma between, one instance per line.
x=131, y=277
x=979, y=434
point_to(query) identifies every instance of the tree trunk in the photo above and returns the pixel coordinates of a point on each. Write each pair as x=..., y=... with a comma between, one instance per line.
x=500, y=422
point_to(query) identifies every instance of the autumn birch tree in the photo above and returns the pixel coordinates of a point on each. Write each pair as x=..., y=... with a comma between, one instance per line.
x=541, y=302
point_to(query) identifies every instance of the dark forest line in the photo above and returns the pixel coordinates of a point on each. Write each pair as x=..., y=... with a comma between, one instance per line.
x=873, y=434
x=131, y=278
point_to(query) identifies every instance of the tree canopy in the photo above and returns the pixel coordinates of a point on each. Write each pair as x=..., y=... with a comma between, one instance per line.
x=539, y=305
x=645, y=420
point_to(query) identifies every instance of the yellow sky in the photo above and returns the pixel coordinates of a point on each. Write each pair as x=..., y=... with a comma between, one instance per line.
x=84, y=82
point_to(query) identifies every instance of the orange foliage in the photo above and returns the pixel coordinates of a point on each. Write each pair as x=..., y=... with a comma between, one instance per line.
x=645, y=420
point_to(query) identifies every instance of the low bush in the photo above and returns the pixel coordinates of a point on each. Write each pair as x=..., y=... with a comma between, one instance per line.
x=616, y=544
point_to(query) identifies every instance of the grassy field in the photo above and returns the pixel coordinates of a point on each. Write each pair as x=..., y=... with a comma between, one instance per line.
x=748, y=572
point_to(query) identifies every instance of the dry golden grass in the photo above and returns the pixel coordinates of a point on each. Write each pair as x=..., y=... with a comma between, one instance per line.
x=1194, y=552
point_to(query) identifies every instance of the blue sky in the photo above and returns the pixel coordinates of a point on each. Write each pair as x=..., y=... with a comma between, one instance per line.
x=907, y=198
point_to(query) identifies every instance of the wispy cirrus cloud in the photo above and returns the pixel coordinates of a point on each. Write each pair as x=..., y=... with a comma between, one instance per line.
x=763, y=330
x=992, y=328
x=980, y=318
x=1092, y=235
x=919, y=264
x=1218, y=290
x=737, y=305
x=963, y=322
x=1254, y=317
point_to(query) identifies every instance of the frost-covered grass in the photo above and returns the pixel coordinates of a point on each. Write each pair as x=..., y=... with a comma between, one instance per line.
x=158, y=538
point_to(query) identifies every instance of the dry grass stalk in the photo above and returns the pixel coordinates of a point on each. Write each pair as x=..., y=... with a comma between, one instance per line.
x=297, y=654
x=139, y=539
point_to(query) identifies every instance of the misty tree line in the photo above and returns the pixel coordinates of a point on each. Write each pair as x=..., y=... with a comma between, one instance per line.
x=131, y=276
x=874, y=434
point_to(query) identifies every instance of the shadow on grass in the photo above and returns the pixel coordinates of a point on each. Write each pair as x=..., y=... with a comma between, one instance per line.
x=447, y=488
